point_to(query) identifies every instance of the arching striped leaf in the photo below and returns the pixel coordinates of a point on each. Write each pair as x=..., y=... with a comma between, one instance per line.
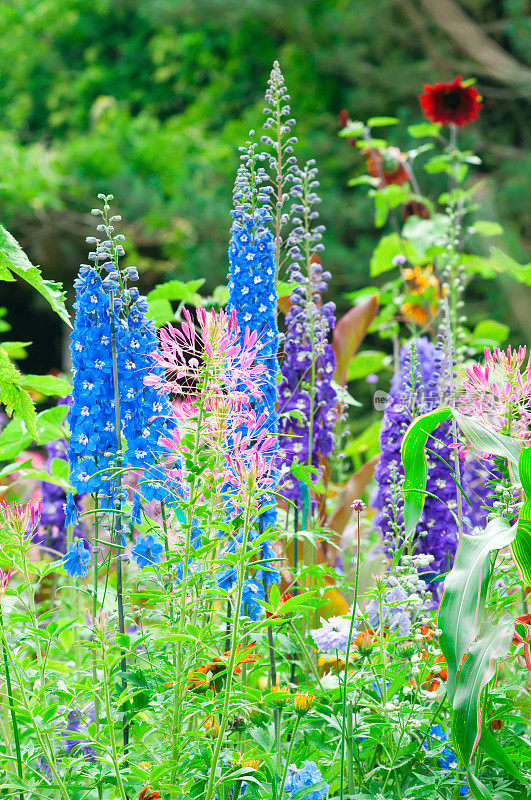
x=465, y=588
x=521, y=546
x=416, y=466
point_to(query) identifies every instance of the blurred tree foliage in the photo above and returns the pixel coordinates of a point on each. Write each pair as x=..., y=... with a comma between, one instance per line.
x=148, y=99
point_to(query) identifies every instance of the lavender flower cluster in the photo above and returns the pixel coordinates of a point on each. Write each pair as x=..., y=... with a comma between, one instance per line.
x=308, y=399
x=51, y=533
x=418, y=388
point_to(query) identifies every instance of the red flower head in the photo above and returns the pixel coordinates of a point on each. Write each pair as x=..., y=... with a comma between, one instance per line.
x=450, y=102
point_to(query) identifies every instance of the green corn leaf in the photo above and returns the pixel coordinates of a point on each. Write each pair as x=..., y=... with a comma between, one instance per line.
x=521, y=546
x=480, y=437
x=465, y=589
x=478, y=790
x=486, y=440
x=467, y=723
x=478, y=669
x=416, y=466
x=14, y=259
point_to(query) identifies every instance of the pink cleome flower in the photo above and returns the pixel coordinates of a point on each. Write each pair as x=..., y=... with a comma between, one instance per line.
x=498, y=392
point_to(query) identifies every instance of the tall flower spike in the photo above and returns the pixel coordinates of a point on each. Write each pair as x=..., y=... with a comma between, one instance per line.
x=308, y=400
x=145, y=415
x=279, y=142
x=416, y=389
x=252, y=280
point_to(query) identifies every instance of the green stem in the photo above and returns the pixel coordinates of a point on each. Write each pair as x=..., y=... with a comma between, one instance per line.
x=116, y=536
x=112, y=738
x=288, y=758
x=11, y=703
x=347, y=656
x=232, y=659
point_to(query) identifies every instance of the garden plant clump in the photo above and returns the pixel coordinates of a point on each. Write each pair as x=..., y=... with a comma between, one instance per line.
x=207, y=590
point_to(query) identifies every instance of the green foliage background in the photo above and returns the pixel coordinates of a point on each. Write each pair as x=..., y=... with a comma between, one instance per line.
x=148, y=99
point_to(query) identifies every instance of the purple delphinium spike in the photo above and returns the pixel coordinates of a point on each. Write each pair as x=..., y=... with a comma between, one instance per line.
x=416, y=389
x=308, y=399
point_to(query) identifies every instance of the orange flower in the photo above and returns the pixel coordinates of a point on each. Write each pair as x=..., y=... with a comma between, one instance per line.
x=208, y=676
x=424, y=293
x=149, y=793
x=434, y=678
x=388, y=165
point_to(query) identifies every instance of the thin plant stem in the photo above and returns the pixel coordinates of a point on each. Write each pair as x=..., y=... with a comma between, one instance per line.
x=232, y=659
x=11, y=703
x=117, y=534
x=347, y=656
x=288, y=758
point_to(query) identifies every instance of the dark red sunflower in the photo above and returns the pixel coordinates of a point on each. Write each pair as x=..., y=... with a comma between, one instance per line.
x=450, y=102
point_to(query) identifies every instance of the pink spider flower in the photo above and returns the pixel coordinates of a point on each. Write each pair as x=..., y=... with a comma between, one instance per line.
x=214, y=354
x=498, y=391
x=4, y=581
x=20, y=519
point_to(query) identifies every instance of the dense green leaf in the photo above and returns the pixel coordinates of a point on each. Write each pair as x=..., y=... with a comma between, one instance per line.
x=47, y=385
x=489, y=333
x=16, y=350
x=365, y=363
x=486, y=440
x=465, y=589
x=178, y=290
x=426, y=233
x=378, y=122
x=161, y=311
x=487, y=228
x=478, y=669
x=14, y=259
x=13, y=439
x=12, y=394
x=50, y=424
x=388, y=247
x=424, y=129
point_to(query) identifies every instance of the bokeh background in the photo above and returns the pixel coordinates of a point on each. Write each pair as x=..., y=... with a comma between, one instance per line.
x=149, y=99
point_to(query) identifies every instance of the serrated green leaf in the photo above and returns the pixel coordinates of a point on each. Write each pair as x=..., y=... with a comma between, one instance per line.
x=14, y=397
x=14, y=259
